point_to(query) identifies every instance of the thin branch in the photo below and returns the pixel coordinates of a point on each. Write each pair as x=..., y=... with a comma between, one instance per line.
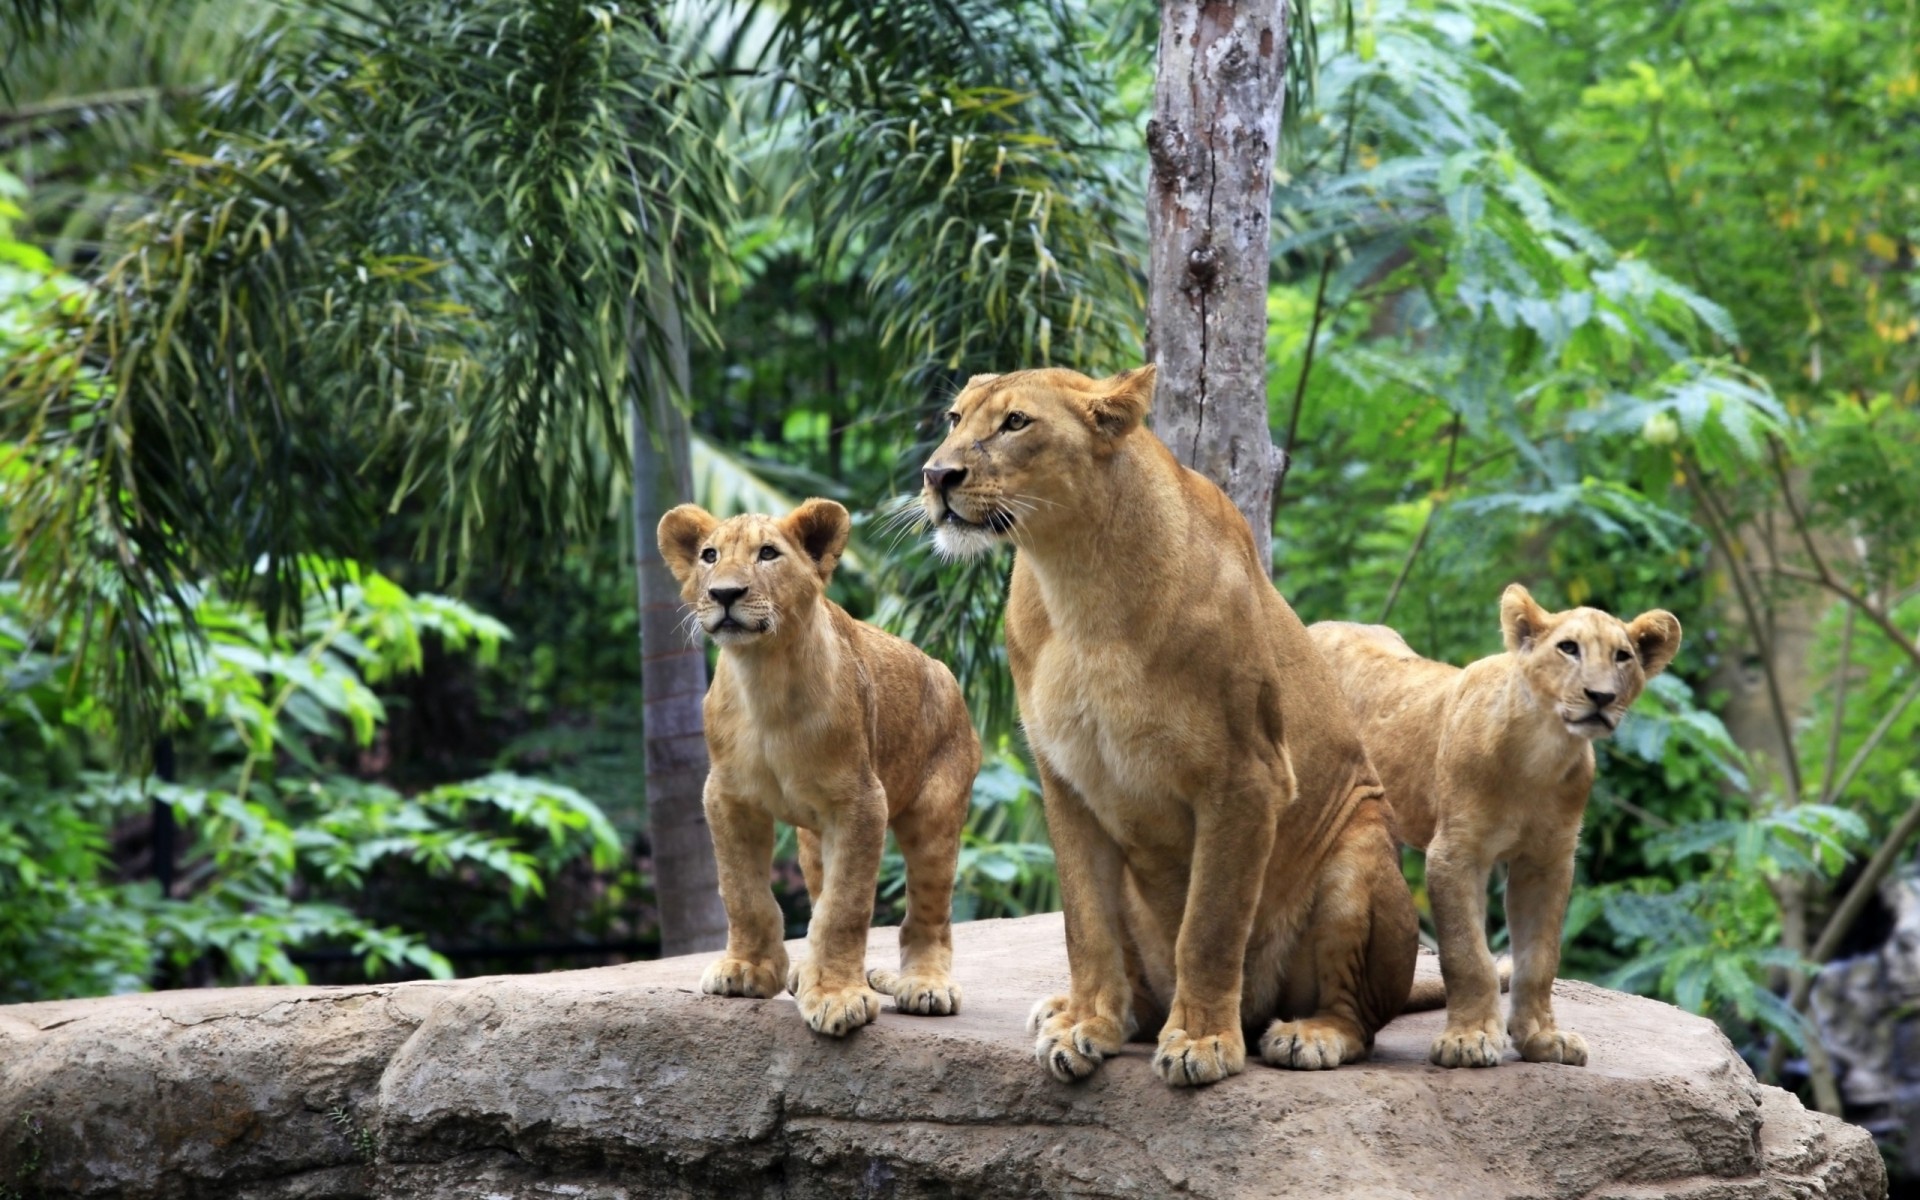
x=1717, y=526
x=1841, y=672
x=1855, y=901
x=1319, y=315
x=1880, y=620
x=1426, y=526
x=1873, y=741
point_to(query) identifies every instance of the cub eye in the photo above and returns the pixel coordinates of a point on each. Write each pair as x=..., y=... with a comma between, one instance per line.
x=709, y=555
x=1016, y=421
x=768, y=554
x=1622, y=655
x=953, y=418
x=1572, y=648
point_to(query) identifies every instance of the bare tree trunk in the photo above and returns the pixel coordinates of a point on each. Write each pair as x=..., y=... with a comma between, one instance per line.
x=673, y=670
x=1215, y=126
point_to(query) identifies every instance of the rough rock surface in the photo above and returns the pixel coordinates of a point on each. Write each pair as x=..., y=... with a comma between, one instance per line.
x=625, y=1082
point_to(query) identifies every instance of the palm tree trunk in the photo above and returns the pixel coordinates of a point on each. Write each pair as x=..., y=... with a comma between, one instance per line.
x=673, y=671
x=1216, y=122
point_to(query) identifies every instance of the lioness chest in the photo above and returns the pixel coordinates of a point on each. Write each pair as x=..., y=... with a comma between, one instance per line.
x=1137, y=748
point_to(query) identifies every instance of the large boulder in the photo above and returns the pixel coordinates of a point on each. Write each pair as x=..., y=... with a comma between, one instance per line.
x=626, y=1082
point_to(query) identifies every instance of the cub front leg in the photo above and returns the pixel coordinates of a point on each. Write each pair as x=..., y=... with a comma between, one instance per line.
x=831, y=986
x=1074, y=1034
x=1537, y=890
x=1457, y=884
x=1202, y=1040
x=755, y=961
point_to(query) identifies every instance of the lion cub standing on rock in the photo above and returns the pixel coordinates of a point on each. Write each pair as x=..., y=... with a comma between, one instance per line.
x=1493, y=763
x=835, y=727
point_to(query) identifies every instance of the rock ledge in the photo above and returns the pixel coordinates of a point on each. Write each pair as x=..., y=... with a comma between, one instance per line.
x=624, y=1082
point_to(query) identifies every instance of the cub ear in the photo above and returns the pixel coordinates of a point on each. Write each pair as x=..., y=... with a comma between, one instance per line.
x=681, y=532
x=1656, y=639
x=1521, y=620
x=819, y=527
x=1124, y=401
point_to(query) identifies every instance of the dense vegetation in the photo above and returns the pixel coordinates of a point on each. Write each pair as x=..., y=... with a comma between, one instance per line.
x=317, y=312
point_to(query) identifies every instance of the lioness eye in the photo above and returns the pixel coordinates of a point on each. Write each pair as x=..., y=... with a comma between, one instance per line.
x=953, y=418
x=1016, y=421
x=768, y=554
x=709, y=555
x=1572, y=648
x=1622, y=655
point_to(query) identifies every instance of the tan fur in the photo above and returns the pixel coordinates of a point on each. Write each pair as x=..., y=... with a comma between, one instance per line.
x=1225, y=862
x=838, y=728
x=1493, y=764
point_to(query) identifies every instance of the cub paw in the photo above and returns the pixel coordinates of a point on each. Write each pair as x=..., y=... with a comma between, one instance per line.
x=837, y=1011
x=925, y=995
x=1070, y=1049
x=739, y=977
x=1189, y=1061
x=1469, y=1046
x=1555, y=1046
x=1307, y=1046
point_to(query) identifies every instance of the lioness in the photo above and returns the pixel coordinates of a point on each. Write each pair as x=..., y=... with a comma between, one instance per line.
x=1222, y=843
x=827, y=723
x=1493, y=764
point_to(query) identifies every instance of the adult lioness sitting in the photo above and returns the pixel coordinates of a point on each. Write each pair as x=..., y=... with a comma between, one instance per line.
x=1493, y=764
x=840, y=729
x=1222, y=843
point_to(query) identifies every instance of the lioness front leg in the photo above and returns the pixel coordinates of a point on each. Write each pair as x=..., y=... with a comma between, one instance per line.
x=1537, y=889
x=755, y=961
x=1075, y=1033
x=1202, y=1041
x=831, y=985
x=1457, y=884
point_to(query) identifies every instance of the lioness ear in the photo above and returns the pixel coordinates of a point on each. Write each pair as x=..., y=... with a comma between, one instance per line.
x=1521, y=620
x=681, y=532
x=1656, y=639
x=1124, y=402
x=978, y=380
x=819, y=527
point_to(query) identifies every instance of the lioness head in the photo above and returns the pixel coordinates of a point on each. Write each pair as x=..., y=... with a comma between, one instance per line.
x=1020, y=452
x=1584, y=665
x=743, y=576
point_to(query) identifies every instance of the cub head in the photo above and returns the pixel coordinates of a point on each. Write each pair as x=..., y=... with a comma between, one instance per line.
x=745, y=576
x=1023, y=450
x=1584, y=665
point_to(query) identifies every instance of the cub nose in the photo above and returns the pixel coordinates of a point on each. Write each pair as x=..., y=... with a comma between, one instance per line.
x=942, y=478
x=1601, y=699
x=727, y=595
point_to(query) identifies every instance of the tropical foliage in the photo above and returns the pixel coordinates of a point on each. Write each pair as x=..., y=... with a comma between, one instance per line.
x=1615, y=300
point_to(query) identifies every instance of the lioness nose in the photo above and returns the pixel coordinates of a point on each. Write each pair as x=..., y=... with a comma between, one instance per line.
x=729, y=595
x=942, y=478
x=1601, y=699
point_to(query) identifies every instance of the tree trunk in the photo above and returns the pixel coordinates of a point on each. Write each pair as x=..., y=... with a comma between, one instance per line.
x=1216, y=122
x=673, y=670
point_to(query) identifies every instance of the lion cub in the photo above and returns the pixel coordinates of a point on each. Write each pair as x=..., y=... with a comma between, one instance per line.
x=1491, y=764
x=829, y=724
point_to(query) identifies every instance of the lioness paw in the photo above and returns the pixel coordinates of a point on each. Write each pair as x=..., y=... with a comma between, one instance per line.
x=925, y=995
x=1555, y=1046
x=1307, y=1046
x=1045, y=1010
x=741, y=977
x=1188, y=1061
x=837, y=1011
x=1071, y=1049
x=1469, y=1046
